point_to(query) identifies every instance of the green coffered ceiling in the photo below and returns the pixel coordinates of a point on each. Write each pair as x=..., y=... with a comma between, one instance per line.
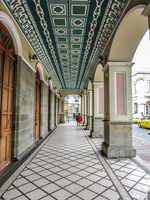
x=68, y=36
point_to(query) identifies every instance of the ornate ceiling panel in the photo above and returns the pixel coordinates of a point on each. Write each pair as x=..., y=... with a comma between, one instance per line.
x=68, y=36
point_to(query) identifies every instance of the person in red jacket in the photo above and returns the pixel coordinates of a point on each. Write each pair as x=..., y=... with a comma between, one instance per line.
x=78, y=119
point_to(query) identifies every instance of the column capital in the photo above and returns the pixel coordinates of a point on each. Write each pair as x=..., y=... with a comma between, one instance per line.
x=89, y=91
x=98, y=83
x=117, y=64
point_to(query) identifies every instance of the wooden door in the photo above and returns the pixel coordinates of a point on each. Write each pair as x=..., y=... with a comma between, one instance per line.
x=37, y=106
x=7, y=64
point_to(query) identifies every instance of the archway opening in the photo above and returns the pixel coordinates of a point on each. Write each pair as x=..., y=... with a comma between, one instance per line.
x=72, y=106
x=141, y=77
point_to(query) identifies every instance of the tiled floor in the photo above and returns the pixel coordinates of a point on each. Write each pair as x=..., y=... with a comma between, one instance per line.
x=68, y=165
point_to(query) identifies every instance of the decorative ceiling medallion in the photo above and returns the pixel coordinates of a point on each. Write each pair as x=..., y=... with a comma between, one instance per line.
x=60, y=31
x=77, y=22
x=76, y=39
x=65, y=66
x=64, y=60
x=76, y=46
x=63, y=51
x=75, y=56
x=63, y=46
x=78, y=10
x=75, y=51
x=62, y=39
x=65, y=63
x=58, y=9
x=75, y=60
x=59, y=22
x=76, y=32
x=64, y=55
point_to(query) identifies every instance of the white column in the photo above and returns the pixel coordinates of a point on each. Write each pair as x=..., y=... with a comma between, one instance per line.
x=98, y=110
x=85, y=110
x=52, y=101
x=61, y=110
x=82, y=108
x=89, y=109
x=118, y=110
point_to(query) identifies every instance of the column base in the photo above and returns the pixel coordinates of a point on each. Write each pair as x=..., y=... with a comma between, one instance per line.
x=118, y=139
x=88, y=127
x=96, y=134
x=61, y=118
x=118, y=152
x=85, y=120
x=97, y=128
x=89, y=123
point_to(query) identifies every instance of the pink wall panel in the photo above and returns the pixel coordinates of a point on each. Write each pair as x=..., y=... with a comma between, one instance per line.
x=120, y=93
x=100, y=100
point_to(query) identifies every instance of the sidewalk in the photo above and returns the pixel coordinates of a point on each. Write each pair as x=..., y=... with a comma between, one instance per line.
x=142, y=148
x=69, y=165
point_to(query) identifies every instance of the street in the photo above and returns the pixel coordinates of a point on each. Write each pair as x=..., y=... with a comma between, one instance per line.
x=141, y=142
x=141, y=132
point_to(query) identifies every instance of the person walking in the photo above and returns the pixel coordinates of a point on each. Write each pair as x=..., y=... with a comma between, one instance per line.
x=79, y=119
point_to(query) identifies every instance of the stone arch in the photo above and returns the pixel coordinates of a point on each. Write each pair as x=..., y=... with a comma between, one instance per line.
x=98, y=75
x=9, y=24
x=128, y=35
x=39, y=67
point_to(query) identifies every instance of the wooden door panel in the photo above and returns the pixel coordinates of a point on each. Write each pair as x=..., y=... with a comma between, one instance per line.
x=5, y=100
x=4, y=122
x=6, y=72
x=8, y=149
x=3, y=149
x=1, y=64
x=10, y=121
x=10, y=103
x=11, y=75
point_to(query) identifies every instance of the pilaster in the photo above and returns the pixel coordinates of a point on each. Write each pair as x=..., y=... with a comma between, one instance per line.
x=52, y=106
x=85, y=110
x=82, y=108
x=61, y=111
x=118, y=110
x=97, y=110
x=89, y=110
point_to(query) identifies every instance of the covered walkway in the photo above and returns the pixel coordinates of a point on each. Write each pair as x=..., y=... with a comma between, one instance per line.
x=69, y=165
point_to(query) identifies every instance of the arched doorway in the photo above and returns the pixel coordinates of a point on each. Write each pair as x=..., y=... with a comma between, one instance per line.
x=72, y=106
x=7, y=65
x=37, y=106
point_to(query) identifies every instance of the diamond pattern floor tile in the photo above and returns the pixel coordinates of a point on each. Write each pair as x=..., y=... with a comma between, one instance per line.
x=68, y=166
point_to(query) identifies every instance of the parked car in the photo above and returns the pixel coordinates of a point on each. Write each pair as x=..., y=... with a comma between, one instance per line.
x=136, y=118
x=144, y=122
